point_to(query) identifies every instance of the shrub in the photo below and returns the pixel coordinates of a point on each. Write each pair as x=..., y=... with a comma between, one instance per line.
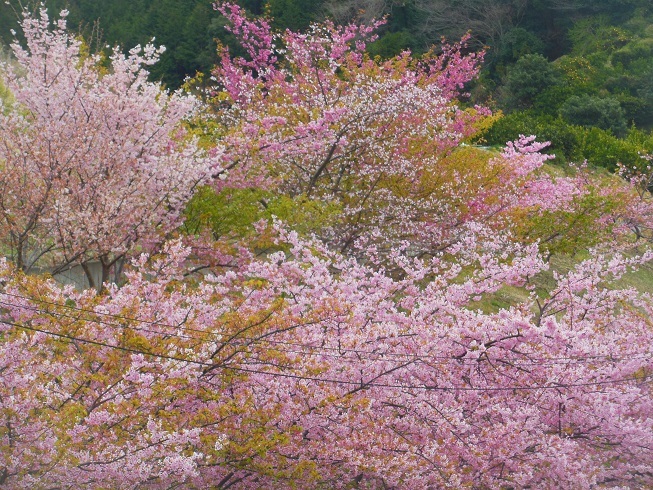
x=640, y=49
x=529, y=77
x=519, y=42
x=601, y=148
x=573, y=143
x=603, y=113
x=564, y=138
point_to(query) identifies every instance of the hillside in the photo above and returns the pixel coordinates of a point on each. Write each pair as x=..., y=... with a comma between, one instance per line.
x=309, y=270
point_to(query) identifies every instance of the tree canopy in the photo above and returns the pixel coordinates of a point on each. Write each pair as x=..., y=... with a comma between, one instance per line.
x=319, y=261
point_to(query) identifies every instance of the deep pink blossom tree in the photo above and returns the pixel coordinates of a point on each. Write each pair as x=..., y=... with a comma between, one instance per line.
x=93, y=161
x=312, y=116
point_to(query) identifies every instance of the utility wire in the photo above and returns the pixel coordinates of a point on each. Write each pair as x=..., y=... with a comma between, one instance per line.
x=357, y=384
x=246, y=342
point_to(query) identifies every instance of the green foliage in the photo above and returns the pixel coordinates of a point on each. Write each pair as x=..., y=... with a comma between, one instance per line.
x=6, y=97
x=633, y=51
x=592, y=34
x=233, y=212
x=8, y=21
x=570, y=231
x=645, y=90
x=549, y=101
x=517, y=43
x=579, y=74
x=590, y=111
x=256, y=7
x=4, y=93
x=224, y=214
x=637, y=109
x=528, y=78
x=564, y=138
x=603, y=149
x=196, y=51
x=573, y=143
x=293, y=14
x=391, y=44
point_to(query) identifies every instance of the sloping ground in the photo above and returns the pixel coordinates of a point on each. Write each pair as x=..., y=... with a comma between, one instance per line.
x=641, y=280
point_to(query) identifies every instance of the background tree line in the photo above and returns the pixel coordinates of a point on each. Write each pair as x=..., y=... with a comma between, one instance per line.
x=576, y=73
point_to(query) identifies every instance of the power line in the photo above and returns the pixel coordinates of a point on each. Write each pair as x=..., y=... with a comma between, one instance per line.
x=358, y=385
x=103, y=344
x=111, y=315
x=95, y=320
x=246, y=342
x=340, y=350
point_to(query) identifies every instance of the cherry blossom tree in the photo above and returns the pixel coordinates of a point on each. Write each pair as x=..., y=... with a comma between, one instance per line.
x=312, y=370
x=303, y=366
x=311, y=116
x=93, y=161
